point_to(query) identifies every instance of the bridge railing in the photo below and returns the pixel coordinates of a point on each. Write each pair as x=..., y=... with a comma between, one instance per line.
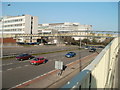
x=101, y=72
x=66, y=34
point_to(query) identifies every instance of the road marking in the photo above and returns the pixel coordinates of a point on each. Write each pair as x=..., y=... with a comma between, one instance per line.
x=24, y=61
x=6, y=64
x=9, y=69
x=9, y=63
x=19, y=67
x=32, y=79
x=26, y=65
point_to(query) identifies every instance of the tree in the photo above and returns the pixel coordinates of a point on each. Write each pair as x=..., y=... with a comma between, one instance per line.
x=94, y=41
x=87, y=41
x=107, y=41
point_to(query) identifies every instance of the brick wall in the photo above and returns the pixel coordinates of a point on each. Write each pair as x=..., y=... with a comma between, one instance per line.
x=8, y=40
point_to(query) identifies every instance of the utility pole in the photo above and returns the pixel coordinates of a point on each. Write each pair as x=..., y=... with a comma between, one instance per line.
x=2, y=22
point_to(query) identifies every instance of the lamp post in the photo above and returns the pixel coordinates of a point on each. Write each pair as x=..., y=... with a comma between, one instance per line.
x=2, y=25
x=2, y=28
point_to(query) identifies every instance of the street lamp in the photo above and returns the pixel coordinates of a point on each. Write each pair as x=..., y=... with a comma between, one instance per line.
x=2, y=28
x=80, y=56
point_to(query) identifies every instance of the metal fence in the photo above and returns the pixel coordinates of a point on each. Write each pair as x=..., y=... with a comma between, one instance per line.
x=101, y=72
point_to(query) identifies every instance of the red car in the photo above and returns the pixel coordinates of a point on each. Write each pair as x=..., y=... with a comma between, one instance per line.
x=38, y=60
x=22, y=57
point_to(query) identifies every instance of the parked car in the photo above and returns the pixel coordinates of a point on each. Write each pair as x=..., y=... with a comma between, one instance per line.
x=22, y=57
x=38, y=60
x=21, y=43
x=92, y=50
x=70, y=54
x=101, y=47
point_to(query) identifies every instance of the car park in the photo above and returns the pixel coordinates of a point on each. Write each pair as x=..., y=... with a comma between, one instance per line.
x=92, y=50
x=70, y=54
x=22, y=57
x=38, y=60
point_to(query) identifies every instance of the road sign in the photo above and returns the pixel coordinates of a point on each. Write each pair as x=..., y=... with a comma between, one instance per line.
x=59, y=65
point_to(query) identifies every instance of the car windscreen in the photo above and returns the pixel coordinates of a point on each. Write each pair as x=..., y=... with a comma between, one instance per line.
x=21, y=55
x=41, y=58
x=36, y=59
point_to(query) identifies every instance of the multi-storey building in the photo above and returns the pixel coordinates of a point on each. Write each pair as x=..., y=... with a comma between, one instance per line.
x=20, y=24
x=62, y=27
x=25, y=24
x=66, y=27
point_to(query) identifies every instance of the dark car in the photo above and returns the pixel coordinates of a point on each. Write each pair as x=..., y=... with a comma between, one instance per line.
x=92, y=50
x=22, y=57
x=38, y=60
x=101, y=47
x=70, y=54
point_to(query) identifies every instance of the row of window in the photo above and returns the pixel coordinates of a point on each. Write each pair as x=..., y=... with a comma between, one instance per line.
x=15, y=20
x=13, y=25
x=13, y=29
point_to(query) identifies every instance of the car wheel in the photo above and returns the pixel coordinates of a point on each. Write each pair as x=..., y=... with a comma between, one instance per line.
x=36, y=64
x=29, y=58
x=21, y=59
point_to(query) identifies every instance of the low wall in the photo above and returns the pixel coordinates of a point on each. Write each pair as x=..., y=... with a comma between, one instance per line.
x=8, y=40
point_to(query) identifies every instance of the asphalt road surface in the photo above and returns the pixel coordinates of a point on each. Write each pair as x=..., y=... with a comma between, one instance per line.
x=15, y=72
x=7, y=51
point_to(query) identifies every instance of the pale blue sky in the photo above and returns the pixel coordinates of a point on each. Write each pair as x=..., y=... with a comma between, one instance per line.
x=102, y=15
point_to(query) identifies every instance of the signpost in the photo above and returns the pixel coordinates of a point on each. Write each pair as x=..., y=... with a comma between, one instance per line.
x=59, y=65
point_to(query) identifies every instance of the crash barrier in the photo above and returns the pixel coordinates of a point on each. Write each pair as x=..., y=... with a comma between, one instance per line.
x=101, y=72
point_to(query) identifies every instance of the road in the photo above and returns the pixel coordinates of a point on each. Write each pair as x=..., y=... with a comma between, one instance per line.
x=16, y=72
x=35, y=49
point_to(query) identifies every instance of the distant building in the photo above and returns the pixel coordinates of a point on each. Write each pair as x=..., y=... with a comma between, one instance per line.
x=20, y=24
x=25, y=24
x=62, y=27
x=66, y=27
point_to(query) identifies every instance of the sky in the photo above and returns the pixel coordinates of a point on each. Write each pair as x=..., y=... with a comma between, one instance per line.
x=101, y=15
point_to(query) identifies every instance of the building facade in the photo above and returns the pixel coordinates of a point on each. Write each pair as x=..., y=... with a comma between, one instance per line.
x=20, y=24
x=62, y=27
x=66, y=27
x=25, y=24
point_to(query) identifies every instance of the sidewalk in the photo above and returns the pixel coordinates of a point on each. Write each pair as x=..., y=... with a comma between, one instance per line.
x=53, y=80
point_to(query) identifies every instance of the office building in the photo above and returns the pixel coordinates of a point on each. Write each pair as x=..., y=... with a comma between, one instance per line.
x=24, y=24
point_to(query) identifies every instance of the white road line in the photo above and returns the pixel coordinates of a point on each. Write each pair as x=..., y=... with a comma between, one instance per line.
x=24, y=61
x=19, y=67
x=6, y=64
x=9, y=63
x=9, y=69
x=32, y=79
x=26, y=65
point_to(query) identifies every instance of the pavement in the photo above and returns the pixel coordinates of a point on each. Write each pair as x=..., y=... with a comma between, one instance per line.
x=52, y=79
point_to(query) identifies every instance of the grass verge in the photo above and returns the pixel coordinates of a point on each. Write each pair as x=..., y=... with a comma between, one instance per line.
x=42, y=53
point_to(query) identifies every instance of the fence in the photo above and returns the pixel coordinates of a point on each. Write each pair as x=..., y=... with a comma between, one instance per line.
x=101, y=72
